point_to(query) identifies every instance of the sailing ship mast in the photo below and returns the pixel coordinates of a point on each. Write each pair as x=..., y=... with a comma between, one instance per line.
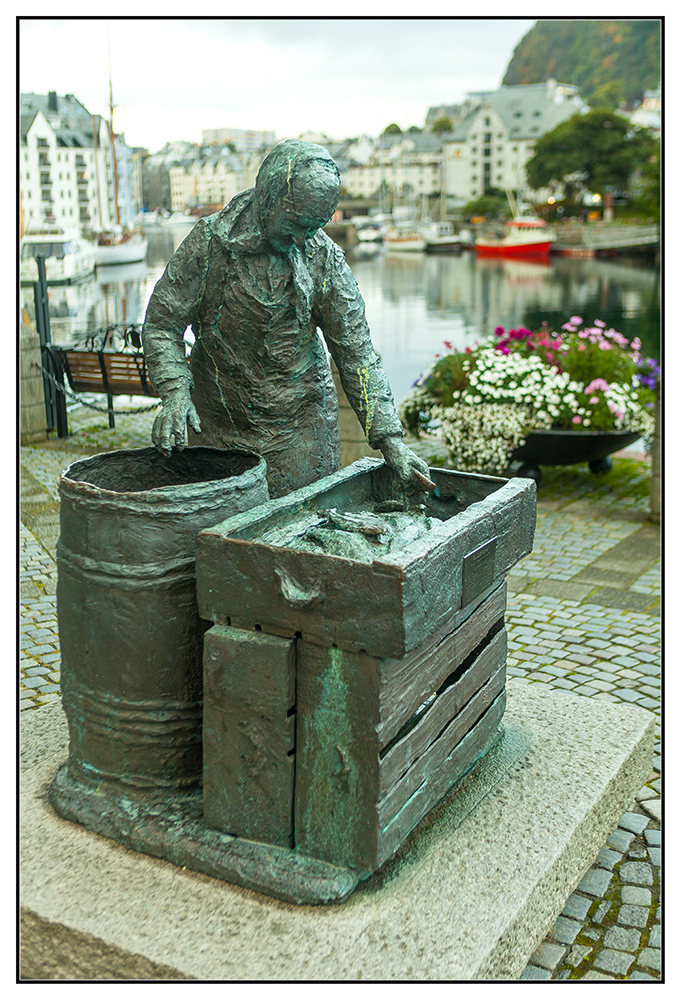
x=113, y=138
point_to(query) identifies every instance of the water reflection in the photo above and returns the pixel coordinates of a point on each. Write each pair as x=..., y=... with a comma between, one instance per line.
x=414, y=302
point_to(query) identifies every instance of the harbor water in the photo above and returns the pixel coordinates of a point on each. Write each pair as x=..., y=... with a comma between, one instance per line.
x=414, y=301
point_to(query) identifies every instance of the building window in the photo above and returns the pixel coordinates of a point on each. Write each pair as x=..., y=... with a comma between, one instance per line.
x=487, y=151
x=487, y=121
x=487, y=137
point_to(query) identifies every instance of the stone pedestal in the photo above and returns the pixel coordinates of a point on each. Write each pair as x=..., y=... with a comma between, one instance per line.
x=469, y=895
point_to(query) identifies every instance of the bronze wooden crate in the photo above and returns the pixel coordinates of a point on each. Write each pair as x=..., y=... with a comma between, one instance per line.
x=328, y=729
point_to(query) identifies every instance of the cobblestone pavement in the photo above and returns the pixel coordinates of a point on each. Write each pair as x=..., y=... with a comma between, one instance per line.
x=583, y=615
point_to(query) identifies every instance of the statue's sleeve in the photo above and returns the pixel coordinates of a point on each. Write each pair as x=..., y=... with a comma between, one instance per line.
x=172, y=308
x=342, y=320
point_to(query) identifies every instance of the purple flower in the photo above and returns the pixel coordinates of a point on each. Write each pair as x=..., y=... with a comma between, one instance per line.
x=499, y=331
x=577, y=320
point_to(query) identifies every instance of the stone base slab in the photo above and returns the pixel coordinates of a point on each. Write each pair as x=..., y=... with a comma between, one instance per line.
x=469, y=896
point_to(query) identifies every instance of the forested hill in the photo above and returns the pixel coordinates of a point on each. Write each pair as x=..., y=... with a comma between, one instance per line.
x=611, y=61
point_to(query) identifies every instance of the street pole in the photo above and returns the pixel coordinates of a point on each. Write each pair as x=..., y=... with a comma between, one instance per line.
x=55, y=401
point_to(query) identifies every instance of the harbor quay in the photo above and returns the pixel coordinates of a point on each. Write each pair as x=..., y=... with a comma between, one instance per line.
x=583, y=617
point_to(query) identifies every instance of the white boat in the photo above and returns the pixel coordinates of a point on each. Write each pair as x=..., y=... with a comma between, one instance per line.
x=370, y=232
x=404, y=239
x=69, y=256
x=440, y=236
x=124, y=247
x=179, y=219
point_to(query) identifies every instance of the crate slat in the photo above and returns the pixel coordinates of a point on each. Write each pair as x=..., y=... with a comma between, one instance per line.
x=249, y=734
x=446, y=707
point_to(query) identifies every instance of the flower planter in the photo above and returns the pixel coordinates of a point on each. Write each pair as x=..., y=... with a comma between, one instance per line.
x=553, y=447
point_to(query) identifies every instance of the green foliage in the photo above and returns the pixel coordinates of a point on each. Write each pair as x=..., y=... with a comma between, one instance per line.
x=443, y=124
x=392, y=129
x=610, y=60
x=487, y=203
x=593, y=151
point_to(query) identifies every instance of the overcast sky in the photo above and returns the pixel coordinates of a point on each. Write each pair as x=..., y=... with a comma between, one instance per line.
x=343, y=77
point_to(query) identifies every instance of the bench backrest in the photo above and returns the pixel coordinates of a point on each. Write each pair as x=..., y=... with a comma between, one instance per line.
x=116, y=373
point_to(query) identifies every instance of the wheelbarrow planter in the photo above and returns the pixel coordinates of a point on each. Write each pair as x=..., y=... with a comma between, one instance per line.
x=557, y=447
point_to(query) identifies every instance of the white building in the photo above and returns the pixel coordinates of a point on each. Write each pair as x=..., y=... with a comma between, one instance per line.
x=403, y=167
x=493, y=143
x=244, y=140
x=65, y=164
x=211, y=175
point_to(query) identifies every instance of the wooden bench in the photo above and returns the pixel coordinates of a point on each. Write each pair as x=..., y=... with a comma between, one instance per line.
x=115, y=373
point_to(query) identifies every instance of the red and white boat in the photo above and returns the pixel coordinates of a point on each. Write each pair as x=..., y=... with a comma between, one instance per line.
x=524, y=236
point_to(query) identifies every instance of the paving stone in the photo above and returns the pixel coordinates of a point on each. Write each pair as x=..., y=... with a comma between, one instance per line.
x=650, y=959
x=577, y=954
x=565, y=931
x=576, y=906
x=595, y=882
x=622, y=938
x=635, y=895
x=620, y=840
x=655, y=938
x=610, y=960
x=637, y=872
x=653, y=838
x=601, y=912
x=655, y=855
x=633, y=822
x=548, y=955
x=592, y=974
x=654, y=808
x=637, y=974
x=534, y=972
x=632, y=916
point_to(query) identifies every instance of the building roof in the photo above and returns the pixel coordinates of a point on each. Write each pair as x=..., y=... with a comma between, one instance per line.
x=71, y=122
x=527, y=111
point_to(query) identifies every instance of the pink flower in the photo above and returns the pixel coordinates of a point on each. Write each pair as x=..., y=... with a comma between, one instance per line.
x=566, y=326
x=577, y=320
x=583, y=334
x=448, y=344
x=597, y=383
x=594, y=400
x=599, y=322
x=576, y=419
x=604, y=345
x=582, y=347
x=549, y=357
x=499, y=331
x=636, y=344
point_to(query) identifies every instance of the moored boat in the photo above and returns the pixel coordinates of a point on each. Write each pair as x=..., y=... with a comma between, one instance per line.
x=124, y=247
x=440, y=236
x=68, y=256
x=406, y=239
x=523, y=236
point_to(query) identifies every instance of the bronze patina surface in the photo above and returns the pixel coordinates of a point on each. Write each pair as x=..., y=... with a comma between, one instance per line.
x=256, y=282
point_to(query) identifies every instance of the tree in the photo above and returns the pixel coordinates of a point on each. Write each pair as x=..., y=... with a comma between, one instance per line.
x=442, y=124
x=392, y=129
x=596, y=151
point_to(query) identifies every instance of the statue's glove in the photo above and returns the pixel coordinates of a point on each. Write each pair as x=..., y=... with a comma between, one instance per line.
x=411, y=470
x=171, y=422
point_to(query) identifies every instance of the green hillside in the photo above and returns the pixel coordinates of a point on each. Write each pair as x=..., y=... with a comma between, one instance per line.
x=612, y=61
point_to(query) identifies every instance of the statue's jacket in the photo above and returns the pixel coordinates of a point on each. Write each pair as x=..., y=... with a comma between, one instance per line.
x=258, y=371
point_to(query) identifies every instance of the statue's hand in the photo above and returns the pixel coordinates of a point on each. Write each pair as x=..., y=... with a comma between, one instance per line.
x=171, y=422
x=412, y=471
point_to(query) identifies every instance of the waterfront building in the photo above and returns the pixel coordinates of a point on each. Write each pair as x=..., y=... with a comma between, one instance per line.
x=402, y=167
x=491, y=146
x=244, y=140
x=66, y=166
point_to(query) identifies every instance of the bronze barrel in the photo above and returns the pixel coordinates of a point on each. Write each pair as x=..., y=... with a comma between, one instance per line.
x=130, y=631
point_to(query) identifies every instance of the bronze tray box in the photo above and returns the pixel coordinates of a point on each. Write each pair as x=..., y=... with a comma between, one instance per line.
x=344, y=698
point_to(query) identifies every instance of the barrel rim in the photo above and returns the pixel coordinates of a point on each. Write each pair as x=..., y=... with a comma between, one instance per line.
x=79, y=489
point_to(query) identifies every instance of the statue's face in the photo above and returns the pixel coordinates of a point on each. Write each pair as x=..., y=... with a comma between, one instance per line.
x=308, y=205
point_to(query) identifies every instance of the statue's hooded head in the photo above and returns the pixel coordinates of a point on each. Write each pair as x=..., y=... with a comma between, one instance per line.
x=296, y=192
